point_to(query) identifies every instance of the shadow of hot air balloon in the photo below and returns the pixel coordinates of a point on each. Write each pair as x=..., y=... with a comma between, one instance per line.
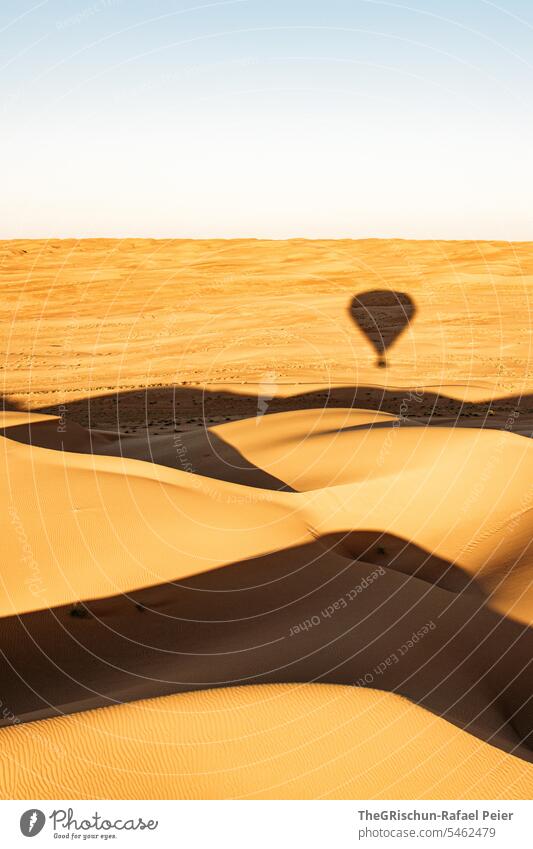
x=382, y=315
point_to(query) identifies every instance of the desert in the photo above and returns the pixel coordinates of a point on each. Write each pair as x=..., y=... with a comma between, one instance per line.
x=266, y=519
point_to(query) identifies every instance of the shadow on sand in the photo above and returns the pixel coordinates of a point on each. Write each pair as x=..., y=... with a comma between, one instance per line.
x=312, y=613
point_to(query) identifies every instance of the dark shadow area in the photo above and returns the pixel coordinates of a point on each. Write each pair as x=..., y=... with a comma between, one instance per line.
x=304, y=614
x=202, y=452
x=180, y=408
x=384, y=549
x=7, y=406
x=382, y=315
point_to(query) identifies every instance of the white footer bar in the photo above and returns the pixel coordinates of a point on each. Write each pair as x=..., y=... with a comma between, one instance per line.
x=266, y=825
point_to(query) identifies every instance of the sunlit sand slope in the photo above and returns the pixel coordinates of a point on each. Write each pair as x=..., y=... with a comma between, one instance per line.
x=311, y=741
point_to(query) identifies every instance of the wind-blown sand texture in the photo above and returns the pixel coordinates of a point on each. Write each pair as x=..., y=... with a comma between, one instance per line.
x=240, y=557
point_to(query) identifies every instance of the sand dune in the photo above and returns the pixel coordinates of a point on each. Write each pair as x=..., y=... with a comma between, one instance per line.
x=329, y=523
x=323, y=584
x=271, y=742
x=462, y=496
x=99, y=525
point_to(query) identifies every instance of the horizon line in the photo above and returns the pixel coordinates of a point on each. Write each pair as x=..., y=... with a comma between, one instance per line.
x=488, y=239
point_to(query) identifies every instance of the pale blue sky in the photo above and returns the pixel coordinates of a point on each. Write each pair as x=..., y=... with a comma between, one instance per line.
x=268, y=118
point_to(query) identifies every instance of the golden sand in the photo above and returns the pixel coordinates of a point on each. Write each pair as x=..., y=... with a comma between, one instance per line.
x=203, y=427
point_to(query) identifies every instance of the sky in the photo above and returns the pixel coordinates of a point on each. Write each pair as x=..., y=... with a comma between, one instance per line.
x=266, y=118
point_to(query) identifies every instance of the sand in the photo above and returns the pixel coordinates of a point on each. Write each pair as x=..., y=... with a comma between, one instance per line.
x=210, y=482
x=272, y=742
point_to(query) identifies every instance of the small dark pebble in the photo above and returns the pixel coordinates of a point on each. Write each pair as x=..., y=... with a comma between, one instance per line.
x=79, y=611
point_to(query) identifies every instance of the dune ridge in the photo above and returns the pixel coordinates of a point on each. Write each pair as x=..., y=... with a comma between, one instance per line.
x=275, y=741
